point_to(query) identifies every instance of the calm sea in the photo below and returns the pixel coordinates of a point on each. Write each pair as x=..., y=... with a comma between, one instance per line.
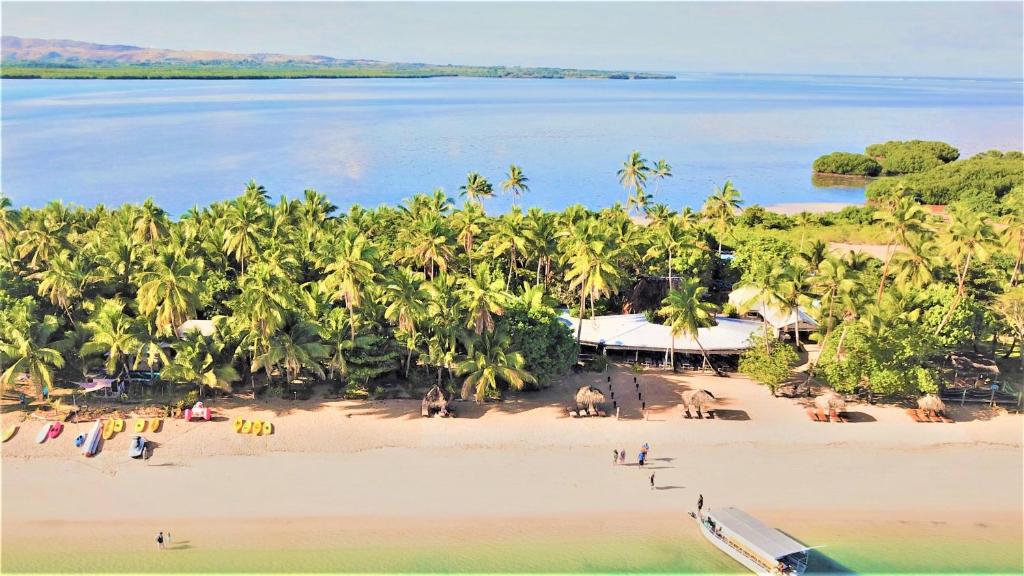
x=377, y=141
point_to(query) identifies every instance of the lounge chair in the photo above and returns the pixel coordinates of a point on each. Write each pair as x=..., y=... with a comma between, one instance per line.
x=934, y=415
x=711, y=414
x=591, y=411
x=812, y=415
x=821, y=416
x=832, y=416
x=572, y=413
x=944, y=417
x=913, y=414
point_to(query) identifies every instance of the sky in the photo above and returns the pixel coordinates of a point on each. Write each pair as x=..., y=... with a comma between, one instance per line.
x=961, y=39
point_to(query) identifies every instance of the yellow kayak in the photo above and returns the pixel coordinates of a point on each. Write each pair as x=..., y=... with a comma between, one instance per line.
x=246, y=427
x=118, y=424
x=108, y=429
x=154, y=424
x=140, y=425
x=9, y=433
x=257, y=427
x=268, y=428
x=238, y=424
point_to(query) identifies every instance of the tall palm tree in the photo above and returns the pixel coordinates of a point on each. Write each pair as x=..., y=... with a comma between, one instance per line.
x=766, y=295
x=407, y=306
x=661, y=170
x=795, y=288
x=835, y=283
x=508, y=240
x=721, y=208
x=115, y=336
x=483, y=296
x=468, y=223
x=916, y=265
x=515, y=183
x=425, y=243
x=592, y=270
x=633, y=176
x=62, y=282
x=487, y=362
x=351, y=268
x=35, y=351
x=169, y=290
x=293, y=349
x=541, y=235
x=244, y=227
x=150, y=224
x=476, y=189
x=969, y=239
x=904, y=218
x=341, y=342
x=1013, y=241
x=686, y=312
x=200, y=360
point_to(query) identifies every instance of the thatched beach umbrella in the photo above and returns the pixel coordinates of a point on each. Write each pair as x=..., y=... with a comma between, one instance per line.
x=930, y=402
x=698, y=398
x=830, y=401
x=589, y=396
x=434, y=401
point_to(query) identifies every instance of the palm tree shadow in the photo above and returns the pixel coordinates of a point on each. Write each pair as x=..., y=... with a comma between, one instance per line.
x=669, y=487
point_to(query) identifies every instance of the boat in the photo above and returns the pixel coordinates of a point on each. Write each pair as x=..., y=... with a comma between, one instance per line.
x=137, y=448
x=92, y=440
x=750, y=542
x=118, y=425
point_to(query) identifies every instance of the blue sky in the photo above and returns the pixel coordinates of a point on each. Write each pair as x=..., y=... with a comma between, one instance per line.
x=973, y=39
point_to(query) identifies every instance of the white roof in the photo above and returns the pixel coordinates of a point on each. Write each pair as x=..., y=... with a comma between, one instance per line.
x=779, y=318
x=755, y=534
x=204, y=327
x=634, y=332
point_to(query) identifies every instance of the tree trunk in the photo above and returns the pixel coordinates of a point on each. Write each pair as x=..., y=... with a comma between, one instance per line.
x=672, y=352
x=796, y=327
x=705, y=355
x=583, y=302
x=956, y=300
x=885, y=272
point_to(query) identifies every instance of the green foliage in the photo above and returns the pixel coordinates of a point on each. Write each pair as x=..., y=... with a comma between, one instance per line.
x=912, y=156
x=982, y=180
x=959, y=327
x=547, y=346
x=847, y=163
x=768, y=360
x=887, y=363
x=757, y=216
x=755, y=258
x=861, y=215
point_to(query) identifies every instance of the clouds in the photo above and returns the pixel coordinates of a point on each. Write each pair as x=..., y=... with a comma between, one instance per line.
x=904, y=38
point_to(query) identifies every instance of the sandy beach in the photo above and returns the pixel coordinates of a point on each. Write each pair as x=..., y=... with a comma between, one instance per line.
x=519, y=487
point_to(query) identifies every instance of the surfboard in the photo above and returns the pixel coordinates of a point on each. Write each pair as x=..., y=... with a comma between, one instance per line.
x=108, y=429
x=92, y=441
x=9, y=433
x=44, y=433
x=257, y=427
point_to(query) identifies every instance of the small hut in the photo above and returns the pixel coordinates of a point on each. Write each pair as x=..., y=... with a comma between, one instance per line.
x=830, y=401
x=434, y=403
x=930, y=403
x=588, y=398
x=700, y=400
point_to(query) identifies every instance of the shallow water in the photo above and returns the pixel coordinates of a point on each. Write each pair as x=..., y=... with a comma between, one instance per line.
x=378, y=141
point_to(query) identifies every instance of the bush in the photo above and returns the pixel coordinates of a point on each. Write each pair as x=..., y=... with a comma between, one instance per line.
x=756, y=257
x=860, y=215
x=847, y=163
x=757, y=216
x=770, y=365
x=547, y=345
x=987, y=175
x=912, y=156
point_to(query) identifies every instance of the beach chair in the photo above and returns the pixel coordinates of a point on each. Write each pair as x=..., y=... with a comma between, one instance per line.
x=812, y=415
x=591, y=411
x=934, y=417
x=913, y=414
x=572, y=413
x=601, y=413
x=821, y=416
x=945, y=418
x=832, y=416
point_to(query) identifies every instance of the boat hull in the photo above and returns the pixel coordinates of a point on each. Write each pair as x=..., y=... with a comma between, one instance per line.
x=746, y=562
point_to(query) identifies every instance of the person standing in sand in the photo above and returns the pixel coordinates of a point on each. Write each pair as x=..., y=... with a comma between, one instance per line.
x=652, y=480
x=622, y=456
x=160, y=541
x=615, y=457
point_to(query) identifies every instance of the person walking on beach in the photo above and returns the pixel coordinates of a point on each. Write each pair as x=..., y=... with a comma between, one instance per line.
x=640, y=459
x=646, y=448
x=168, y=537
x=652, y=480
x=622, y=456
x=615, y=457
x=700, y=502
x=160, y=541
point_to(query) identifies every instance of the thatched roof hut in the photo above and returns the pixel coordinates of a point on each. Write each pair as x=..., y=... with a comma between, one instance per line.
x=830, y=401
x=435, y=402
x=588, y=396
x=698, y=398
x=930, y=402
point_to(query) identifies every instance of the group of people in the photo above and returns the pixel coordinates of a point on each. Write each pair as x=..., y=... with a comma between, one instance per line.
x=161, y=540
x=619, y=457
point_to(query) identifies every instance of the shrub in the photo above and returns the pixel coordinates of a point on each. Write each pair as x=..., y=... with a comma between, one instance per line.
x=860, y=215
x=768, y=360
x=912, y=156
x=547, y=345
x=978, y=179
x=757, y=216
x=755, y=258
x=847, y=163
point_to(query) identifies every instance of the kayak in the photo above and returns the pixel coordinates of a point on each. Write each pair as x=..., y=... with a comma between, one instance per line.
x=118, y=424
x=55, y=429
x=268, y=428
x=140, y=425
x=154, y=424
x=92, y=442
x=108, y=429
x=246, y=427
x=44, y=433
x=257, y=427
x=9, y=433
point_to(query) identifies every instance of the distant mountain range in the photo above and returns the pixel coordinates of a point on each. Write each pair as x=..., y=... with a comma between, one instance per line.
x=40, y=58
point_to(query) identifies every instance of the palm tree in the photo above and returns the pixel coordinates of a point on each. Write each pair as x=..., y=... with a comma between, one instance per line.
x=244, y=226
x=904, y=218
x=515, y=182
x=341, y=341
x=721, y=208
x=766, y=294
x=483, y=296
x=835, y=283
x=487, y=362
x=150, y=223
x=33, y=351
x=508, y=240
x=476, y=189
x=200, y=360
x=350, y=270
x=426, y=244
x=115, y=335
x=633, y=176
x=592, y=268
x=169, y=290
x=1010, y=306
x=795, y=288
x=62, y=282
x=468, y=223
x=969, y=238
x=916, y=265
x=292, y=349
x=686, y=312
x=407, y=305
x=447, y=321
x=661, y=170
x=1013, y=240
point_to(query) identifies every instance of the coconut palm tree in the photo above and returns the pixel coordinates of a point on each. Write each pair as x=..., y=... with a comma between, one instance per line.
x=150, y=224
x=721, y=208
x=591, y=257
x=515, y=183
x=661, y=170
x=916, y=265
x=633, y=176
x=244, y=227
x=686, y=312
x=62, y=282
x=425, y=243
x=341, y=342
x=476, y=189
x=1010, y=307
x=200, y=360
x=766, y=294
x=169, y=290
x=508, y=240
x=795, y=287
x=835, y=284
x=36, y=351
x=406, y=306
x=969, y=239
x=115, y=336
x=351, y=268
x=296, y=347
x=483, y=296
x=487, y=362
x=904, y=218
x=468, y=223
x=541, y=235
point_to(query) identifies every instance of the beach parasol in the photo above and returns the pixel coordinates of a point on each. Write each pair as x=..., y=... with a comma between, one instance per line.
x=930, y=402
x=830, y=401
x=589, y=396
x=434, y=401
x=698, y=398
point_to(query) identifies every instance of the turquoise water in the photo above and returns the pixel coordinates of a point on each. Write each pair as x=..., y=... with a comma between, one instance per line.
x=370, y=141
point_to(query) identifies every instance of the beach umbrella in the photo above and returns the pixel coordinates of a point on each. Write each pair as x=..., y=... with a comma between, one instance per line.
x=830, y=401
x=434, y=401
x=930, y=402
x=589, y=396
x=698, y=398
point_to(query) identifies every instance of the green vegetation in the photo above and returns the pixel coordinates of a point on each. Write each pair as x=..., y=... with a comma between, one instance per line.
x=768, y=361
x=847, y=163
x=911, y=156
x=403, y=297
x=981, y=183
x=217, y=71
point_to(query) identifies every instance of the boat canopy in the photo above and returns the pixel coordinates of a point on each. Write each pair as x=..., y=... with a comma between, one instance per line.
x=754, y=534
x=634, y=332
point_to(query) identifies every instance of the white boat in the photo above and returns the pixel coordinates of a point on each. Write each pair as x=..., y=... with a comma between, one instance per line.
x=757, y=546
